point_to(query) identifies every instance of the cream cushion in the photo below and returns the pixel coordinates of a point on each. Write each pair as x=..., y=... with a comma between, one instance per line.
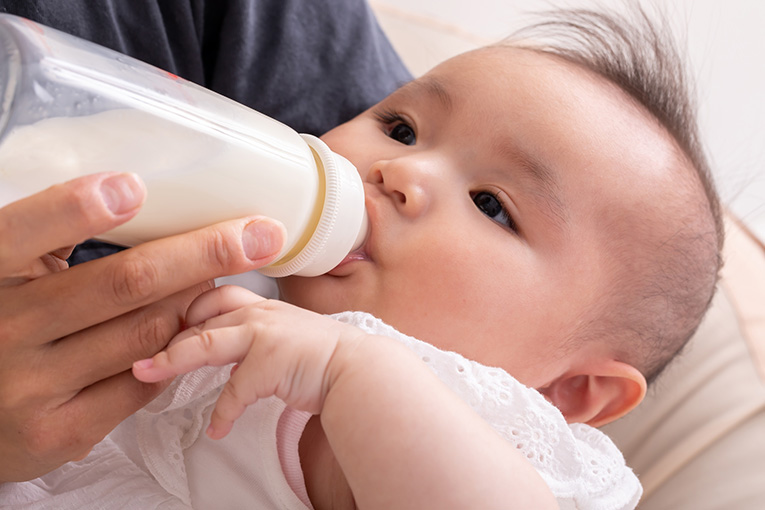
x=698, y=440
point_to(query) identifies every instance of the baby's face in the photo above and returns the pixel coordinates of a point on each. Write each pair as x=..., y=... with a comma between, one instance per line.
x=496, y=187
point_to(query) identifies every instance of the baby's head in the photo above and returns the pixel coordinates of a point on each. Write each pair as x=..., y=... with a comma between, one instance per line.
x=545, y=211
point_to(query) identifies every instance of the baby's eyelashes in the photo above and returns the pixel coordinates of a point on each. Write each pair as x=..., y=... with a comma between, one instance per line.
x=491, y=205
x=396, y=127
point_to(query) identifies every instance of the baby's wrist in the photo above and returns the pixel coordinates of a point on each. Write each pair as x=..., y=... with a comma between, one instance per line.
x=349, y=355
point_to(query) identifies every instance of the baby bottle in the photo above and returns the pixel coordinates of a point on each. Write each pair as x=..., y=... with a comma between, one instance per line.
x=69, y=108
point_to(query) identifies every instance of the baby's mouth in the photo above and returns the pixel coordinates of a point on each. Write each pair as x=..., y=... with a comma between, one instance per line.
x=363, y=251
x=360, y=254
x=355, y=256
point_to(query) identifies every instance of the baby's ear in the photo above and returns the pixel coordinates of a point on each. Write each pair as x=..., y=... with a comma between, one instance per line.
x=609, y=390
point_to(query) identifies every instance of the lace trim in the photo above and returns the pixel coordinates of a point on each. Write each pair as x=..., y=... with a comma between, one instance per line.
x=580, y=464
x=172, y=423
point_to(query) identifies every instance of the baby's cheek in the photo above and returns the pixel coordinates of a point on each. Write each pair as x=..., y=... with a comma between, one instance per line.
x=319, y=294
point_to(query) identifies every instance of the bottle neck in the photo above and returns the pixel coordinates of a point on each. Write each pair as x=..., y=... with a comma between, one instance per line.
x=342, y=224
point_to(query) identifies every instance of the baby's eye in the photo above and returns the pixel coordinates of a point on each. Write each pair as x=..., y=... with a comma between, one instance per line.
x=491, y=206
x=404, y=134
x=397, y=127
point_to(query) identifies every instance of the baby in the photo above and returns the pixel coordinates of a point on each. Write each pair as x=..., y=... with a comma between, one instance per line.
x=540, y=206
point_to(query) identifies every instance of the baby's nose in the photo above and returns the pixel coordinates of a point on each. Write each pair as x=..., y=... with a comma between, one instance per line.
x=405, y=182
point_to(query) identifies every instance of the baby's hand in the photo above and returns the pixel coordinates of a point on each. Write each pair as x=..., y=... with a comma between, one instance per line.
x=280, y=349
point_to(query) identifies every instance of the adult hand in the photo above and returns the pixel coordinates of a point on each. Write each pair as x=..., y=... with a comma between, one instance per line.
x=68, y=336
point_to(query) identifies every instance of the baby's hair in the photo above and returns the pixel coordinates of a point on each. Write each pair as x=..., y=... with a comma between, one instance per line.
x=660, y=304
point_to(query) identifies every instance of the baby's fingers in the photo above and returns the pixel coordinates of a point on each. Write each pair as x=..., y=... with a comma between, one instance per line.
x=220, y=301
x=237, y=394
x=215, y=347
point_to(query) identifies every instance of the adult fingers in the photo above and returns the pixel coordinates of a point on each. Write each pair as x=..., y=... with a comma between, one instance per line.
x=111, y=347
x=68, y=431
x=107, y=403
x=99, y=290
x=63, y=253
x=45, y=264
x=66, y=214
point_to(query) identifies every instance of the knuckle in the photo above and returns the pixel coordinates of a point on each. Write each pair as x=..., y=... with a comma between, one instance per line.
x=231, y=396
x=135, y=279
x=154, y=328
x=206, y=341
x=79, y=202
x=255, y=316
x=271, y=305
x=219, y=250
x=203, y=287
x=200, y=344
x=41, y=439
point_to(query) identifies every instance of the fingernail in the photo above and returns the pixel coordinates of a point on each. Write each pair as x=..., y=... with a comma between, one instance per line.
x=144, y=363
x=262, y=238
x=122, y=193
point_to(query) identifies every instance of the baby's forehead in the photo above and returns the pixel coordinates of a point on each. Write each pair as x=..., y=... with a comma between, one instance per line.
x=511, y=81
x=568, y=119
x=549, y=74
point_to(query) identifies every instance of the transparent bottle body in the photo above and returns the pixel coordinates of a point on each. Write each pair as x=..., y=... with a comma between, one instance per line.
x=71, y=108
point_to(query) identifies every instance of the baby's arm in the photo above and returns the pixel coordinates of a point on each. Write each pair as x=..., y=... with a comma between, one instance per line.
x=401, y=437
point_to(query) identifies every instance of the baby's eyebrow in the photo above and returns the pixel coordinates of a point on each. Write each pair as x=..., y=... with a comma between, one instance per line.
x=429, y=86
x=545, y=188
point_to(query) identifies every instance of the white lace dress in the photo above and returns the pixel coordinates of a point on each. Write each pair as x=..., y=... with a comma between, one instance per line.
x=580, y=464
x=149, y=453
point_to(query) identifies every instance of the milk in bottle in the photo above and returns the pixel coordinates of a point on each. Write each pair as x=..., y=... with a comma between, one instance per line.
x=71, y=108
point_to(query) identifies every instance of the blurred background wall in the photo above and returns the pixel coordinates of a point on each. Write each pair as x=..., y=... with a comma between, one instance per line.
x=725, y=40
